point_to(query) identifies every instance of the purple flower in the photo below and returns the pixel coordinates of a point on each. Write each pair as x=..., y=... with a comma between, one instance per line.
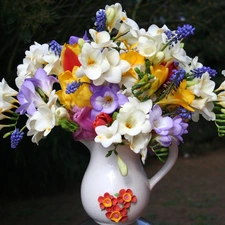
x=82, y=116
x=75, y=39
x=106, y=99
x=176, y=131
x=28, y=97
x=179, y=128
x=161, y=125
x=43, y=81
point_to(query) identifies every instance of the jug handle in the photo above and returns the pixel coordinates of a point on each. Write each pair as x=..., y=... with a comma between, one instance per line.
x=170, y=161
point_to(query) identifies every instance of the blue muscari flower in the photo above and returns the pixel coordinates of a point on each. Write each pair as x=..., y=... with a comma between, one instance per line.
x=198, y=72
x=184, y=113
x=16, y=137
x=100, y=21
x=184, y=31
x=181, y=32
x=55, y=47
x=177, y=76
x=72, y=87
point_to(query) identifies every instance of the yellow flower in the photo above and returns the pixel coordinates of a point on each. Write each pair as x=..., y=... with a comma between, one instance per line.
x=181, y=96
x=161, y=73
x=81, y=97
x=135, y=60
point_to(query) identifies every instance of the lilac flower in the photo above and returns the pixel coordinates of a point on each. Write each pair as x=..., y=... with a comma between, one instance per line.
x=55, y=47
x=161, y=125
x=75, y=39
x=16, y=138
x=43, y=81
x=100, y=21
x=29, y=99
x=167, y=128
x=179, y=128
x=106, y=100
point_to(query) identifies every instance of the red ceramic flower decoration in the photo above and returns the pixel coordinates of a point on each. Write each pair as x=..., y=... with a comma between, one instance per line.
x=126, y=197
x=117, y=208
x=107, y=201
x=117, y=214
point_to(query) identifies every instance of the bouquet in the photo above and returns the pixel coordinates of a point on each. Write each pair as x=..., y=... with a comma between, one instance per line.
x=117, y=85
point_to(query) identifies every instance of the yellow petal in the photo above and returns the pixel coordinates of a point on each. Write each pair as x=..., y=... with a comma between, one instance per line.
x=181, y=96
x=81, y=97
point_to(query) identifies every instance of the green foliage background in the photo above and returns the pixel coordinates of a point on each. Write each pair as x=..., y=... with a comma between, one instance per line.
x=58, y=160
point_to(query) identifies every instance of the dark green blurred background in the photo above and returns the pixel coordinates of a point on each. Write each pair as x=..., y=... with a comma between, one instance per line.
x=58, y=161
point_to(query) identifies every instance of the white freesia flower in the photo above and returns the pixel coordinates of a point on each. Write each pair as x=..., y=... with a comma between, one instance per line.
x=39, y=56
x=194, y=64
x=41, y=123
x=204, y=87
x=114, y=15
x=45, y=118
x=6, y=96
x=147, y=47
x=26, y=70
x=204, y=107
x=101, y=39
x=177, y=53
x=135, y=103
x=108, y=135
x=52, y=64
x=204, y=90
x=129, y=31
x=221, y=98
x=155, y=31
x=132, y=119
x=139, y=144
x=36, y=52
x=93, y=61
x=117, y=67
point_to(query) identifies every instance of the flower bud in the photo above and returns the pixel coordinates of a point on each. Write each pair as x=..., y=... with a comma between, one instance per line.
x=61, y=113
x=159, y=57
x=110, y=13
x=81, y=42
x=122, y=166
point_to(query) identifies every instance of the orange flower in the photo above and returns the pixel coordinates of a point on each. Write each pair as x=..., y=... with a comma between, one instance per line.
x=181, y=96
